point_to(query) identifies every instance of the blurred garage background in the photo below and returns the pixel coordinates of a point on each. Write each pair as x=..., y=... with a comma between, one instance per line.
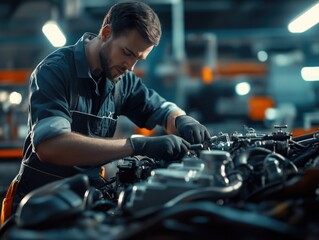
x=232, y=64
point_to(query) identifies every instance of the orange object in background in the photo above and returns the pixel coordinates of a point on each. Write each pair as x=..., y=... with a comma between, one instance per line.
x=17, y=76
x=301, y=131
x=144, y=131
x=257, y=106
x=11, y=153
x=229, y=70
x=242, y=68
x=207, y=75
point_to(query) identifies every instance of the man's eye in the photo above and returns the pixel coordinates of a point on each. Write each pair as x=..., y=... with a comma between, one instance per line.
x=126, y=53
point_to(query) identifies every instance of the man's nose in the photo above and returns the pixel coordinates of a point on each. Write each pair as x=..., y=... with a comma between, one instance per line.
x=131, y=64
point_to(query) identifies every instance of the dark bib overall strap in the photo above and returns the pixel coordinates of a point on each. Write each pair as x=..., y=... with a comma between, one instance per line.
x=74, y=95
x=117, y=98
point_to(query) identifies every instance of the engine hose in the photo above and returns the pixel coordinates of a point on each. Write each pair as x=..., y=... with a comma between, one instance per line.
x=208, y=193
x=308, y=141
x=300, y=161
x=286, y=161
x=91, y=196
x=244, y=157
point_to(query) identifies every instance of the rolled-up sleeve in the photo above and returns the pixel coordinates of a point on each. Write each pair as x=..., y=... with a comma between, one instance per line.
x=49, y=105
x=144, y=106
x=159, y=116
x=48, y=128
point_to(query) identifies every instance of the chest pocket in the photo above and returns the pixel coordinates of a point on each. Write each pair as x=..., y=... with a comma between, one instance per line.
x=94, y=126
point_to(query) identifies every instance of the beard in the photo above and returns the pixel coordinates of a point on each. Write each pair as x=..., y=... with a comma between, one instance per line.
x=105, y=64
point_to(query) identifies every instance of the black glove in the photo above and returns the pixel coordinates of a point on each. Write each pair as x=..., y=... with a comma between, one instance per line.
x=168, y=147
x=191, y=130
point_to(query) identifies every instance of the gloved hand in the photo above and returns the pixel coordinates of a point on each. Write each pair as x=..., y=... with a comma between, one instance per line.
x=168, y=147
x=191, y=130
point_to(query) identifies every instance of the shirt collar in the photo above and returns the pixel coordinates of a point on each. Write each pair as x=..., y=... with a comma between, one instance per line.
x=81, y=63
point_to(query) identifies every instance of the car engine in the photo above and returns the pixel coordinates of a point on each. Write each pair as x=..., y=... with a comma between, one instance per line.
x=236, y=186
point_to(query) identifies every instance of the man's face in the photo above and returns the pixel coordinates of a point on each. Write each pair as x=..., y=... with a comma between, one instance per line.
x=119, y=55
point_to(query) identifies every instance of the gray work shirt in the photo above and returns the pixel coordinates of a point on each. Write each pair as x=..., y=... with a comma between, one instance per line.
x=64, y=97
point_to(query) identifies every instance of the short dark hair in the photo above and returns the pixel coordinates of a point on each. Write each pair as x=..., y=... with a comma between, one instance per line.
x=134, y=15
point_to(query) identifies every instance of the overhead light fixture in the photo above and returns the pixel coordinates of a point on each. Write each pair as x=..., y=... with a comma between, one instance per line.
x=305, y=21
x=242, y=88
x=262, y=56
x=310, y=73
x=54, y=34
x=15, y=98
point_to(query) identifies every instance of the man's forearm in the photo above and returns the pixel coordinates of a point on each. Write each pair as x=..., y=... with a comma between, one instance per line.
x=75, y=149
x=170, y=124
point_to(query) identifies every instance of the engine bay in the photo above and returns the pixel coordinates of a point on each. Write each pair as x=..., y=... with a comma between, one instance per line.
x=246, y=185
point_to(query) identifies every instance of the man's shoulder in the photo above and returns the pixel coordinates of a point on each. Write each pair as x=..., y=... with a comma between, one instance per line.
x=60, y=56
x=61, y=59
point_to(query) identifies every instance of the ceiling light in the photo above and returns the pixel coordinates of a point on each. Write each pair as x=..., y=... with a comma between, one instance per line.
x=262, y=56
x=242, y=88
x=310, y=73
x=54, y=34
x=15, y=98
x=305, y=21
x=3, y=96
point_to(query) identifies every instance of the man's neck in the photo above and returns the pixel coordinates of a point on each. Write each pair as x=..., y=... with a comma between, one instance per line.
x=91, y=52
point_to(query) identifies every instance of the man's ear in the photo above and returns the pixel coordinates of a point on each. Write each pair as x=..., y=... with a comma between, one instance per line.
x=106, y=32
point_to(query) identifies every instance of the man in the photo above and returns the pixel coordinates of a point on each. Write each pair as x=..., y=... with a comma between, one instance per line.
x=77, y=93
